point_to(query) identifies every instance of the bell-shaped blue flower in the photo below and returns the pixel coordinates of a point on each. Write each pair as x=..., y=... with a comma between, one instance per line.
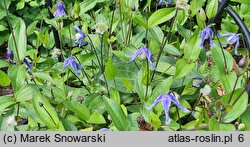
x=71, y=61
x=166, y=100
x=161, y=1
x=232, y=38
x=27, y=64
x=9, y=54
x=206, y=33
x=60, y=10
x=80, y=35
x=144, y=52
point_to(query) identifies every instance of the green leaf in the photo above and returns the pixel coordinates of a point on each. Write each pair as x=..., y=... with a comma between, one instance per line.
x=43, y=76
x=182, y=68
x=110, y=70
x=212, y=8
x=239, y=107
x=162, y=88
x=139, y=20
x=31, y=28
x=17, y=76
x=161, y=16
x=245, y=118
x=21, y=41
x=3, y=64
x=2, y=8
x=192, y=48
x=25, y=93
x=68, y=125
x=171, y=50
x=96, y=118
x=87, y=5
x=155, y=121
x=20, y=5
x=46, y=112
x=117, y=115
x=80, y=110
x=215, y=126
x=242, y=1
x=4, y=79
x=114, y=94
x=5, y=102
x=183, y=31
x=219, y=60
x=227, y=81
x=3, y=28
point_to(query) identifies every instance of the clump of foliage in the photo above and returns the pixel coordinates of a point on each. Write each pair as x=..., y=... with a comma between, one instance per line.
x=123, y=65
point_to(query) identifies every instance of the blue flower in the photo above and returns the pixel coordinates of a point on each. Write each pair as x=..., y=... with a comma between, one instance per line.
x=79, y=37
x=9, y=54
x=197, y=81
x=26, y=62
x=161, y=1
x=166, y=100
x=72, y=62
x=104, y=129
x=60, y=10
x=144, y=51
x=206, y=33
x=232, y=38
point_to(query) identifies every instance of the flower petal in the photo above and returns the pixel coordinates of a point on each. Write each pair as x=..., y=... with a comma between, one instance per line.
x=166, y=105
x=177, y=103
x=158, y=99
x=139, y=51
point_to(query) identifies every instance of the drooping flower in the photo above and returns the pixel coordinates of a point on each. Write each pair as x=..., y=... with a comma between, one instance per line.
x=232, y=38
x=56, y=52
x=27, y=64
x=205, y=91
x=80, y=35
x=197, y=81
x=60, y=10
x=74, y=65
x=9, y=54
x=161, y=1
x=166, y=100
x=144, y=52
x=206, y=33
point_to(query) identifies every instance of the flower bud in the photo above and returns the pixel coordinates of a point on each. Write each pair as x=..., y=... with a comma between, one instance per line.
x=201, y=15
x=77, y=8
x=241, y=126
x=242, y=62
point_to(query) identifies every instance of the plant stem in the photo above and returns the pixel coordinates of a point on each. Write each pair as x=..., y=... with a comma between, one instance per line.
x=12, y=32
x=222, y=50
x=83, y=71
x=147, y=84
x=231, y=96
x=80, y=81
x=121, y=20
x=164, y=42
x=102, y=51
x=112, y=18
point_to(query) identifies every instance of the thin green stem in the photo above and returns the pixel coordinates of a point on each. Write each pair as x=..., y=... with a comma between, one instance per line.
x=147, y=84
x=80, y=81
x=112, y=19
x=231, y=96
x=102, y=51
x=83, y=71
x=222, y=50
x=121, y=20
x=41, y=105
x=164, y=42
x=12, y=32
